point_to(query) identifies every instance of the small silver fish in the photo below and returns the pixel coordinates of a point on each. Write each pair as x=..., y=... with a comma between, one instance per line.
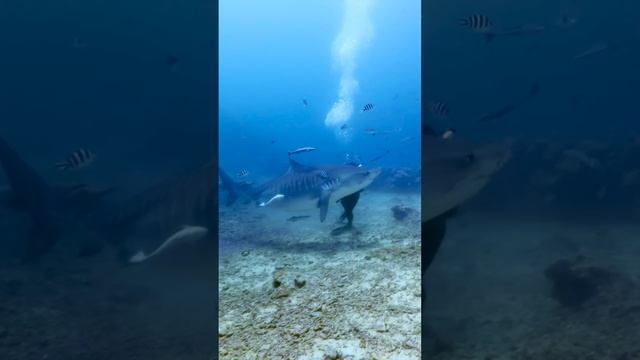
x=448, y=134
x=243, y=173
x=302, y=150
x=298, y=218
x=367, y=108
x=594, y=49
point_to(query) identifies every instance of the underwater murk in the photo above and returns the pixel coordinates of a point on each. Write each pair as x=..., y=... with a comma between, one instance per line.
x=531, y=181
x=105, y=155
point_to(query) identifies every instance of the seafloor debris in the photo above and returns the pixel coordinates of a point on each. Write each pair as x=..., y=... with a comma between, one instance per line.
x=402, y=212
x=278, y=276
x=333, y=354
x=321, y=307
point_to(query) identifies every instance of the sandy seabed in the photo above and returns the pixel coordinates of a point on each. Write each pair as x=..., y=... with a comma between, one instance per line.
x=290, y=290
x=488, y=297
x=66, y=307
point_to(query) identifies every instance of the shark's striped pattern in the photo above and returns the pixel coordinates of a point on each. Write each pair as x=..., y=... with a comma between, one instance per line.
x=301, y=183
x=306, y=187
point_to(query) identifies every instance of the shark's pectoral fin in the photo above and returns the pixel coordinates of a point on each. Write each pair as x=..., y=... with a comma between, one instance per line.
x=274, y=198
x=323, y=203
x=185, y=233
x=433, y=232
x=31, y=194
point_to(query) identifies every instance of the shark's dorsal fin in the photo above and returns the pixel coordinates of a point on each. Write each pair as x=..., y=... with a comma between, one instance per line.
x=31, y=194
x=295, y=166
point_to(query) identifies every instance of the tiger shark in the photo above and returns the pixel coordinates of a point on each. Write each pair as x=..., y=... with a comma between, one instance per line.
x=455, y=171
x=180, y=208
x=184, y=209
x=305, y=187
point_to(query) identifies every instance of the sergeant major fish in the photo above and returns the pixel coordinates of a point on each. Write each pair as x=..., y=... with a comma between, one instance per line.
x=78, y=159
x=477, y=22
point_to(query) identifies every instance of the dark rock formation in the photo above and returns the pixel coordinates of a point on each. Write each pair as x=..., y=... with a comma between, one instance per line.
x=576, y=281
x=401, y=212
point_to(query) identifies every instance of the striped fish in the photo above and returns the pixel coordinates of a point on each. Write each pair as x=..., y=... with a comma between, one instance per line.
x=367, y=107
x=477, y=22
x=77, y=160
x=439, y=109
x=243, y=173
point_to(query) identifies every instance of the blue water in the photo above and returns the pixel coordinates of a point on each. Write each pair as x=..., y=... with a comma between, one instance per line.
x=115, y=95
x=274, y=55
x=590, y=98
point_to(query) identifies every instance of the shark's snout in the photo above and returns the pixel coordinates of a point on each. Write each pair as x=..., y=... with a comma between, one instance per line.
x=375, y=172
x=368, y=176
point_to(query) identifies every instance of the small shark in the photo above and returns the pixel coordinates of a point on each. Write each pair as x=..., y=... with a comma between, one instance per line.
x=48, y=206
x=305, y=187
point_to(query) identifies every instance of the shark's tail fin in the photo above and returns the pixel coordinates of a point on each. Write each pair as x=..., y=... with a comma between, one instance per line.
x=31, y=194
x=234, y=189
x=23, y=180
